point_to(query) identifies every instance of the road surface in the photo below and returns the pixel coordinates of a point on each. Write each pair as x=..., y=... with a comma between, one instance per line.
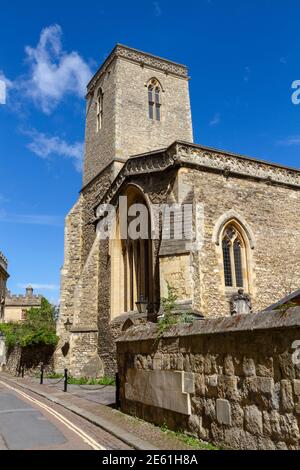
x=28, y=421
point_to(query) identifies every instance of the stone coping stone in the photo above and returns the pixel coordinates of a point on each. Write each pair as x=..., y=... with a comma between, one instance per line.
x=271, y=320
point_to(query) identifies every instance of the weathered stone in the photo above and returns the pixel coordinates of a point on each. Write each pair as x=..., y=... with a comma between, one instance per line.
x=271, y=424
x=157, y=361
x=257, y=410
x=289, y=430
x=94, y=368
x=296, y=387
x=286, y=365
x=199, y=363
x=166, y=362
x=210, y=409
x=223, y=410
x=227, y=387
x=239, y=439
x=287, y=400
x=189, y=382
x=200, y=384
x=212, y=380
x=180, y=362
x=216, y=433
x=228, y=365
x=249, y=367
x=265, y=368
x=237, y=415
x=195, y=427
x=264, y=443
x=253, y=420
x=163, y=389
x=265, y=385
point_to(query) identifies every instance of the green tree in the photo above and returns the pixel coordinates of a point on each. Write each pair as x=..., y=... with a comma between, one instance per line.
x=37, y=328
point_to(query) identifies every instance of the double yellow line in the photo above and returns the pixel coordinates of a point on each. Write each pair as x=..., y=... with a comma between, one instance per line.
x=85, y=437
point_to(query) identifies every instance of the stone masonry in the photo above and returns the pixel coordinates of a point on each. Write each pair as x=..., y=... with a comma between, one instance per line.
x=3, y=279
x=161, y=161
x=231, y=381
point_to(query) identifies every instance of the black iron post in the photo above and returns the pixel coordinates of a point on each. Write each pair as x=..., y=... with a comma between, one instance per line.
x=66, y=380
x=118, y=404
x=23, y=372
x=42, y=374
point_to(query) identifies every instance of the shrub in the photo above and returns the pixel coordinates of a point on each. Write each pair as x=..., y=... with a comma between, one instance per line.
x=37, y=328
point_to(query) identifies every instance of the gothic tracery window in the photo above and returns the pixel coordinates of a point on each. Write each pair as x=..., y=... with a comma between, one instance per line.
x=154, y=100
x=99, y=105
x=234, y=257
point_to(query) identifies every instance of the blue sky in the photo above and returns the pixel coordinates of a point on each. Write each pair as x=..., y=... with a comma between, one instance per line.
x=243, y=57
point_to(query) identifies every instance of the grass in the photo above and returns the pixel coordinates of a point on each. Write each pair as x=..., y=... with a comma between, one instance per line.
x=82, y=380
x=189, y=440
x=86, y=381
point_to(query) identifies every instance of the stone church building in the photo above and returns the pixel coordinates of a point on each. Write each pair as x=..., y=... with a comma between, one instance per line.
x=139, y=144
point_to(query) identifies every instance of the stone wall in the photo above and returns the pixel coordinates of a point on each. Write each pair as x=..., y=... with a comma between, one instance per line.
x=231, y=381
x=30, y=358
x=272, y=213
x=126, y=129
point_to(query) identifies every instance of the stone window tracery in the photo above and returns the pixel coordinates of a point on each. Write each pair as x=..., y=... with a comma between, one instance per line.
x=154, y=100
x=234, y=257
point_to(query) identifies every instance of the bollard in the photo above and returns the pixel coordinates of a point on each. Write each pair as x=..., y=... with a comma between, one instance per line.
x=117, y=391
x=23, y=372
x=42, y=374
x=66, y=380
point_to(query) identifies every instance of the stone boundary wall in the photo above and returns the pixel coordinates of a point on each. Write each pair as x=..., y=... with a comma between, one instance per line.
x=31, y=358
x=231, y=381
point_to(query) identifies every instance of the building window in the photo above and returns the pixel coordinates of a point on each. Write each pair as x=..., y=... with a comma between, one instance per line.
x=234, y=257
x=154, y=100
x=99, y=105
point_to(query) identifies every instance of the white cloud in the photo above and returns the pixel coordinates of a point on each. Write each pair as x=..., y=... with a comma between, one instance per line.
x=157, y=9
x=45, y=146
x=5, y=85
x=53, y=72
x=215, y=120
x=290, y=141
x=39, y=286
x=29, y=219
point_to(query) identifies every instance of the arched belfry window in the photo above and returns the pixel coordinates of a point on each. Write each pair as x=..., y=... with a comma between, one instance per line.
x=99, y=105
x=235, y=259
x=154, y=100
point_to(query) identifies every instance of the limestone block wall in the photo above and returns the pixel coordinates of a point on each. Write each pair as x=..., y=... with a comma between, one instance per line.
x=272, y=213
x=30, y=358
x=70, y=275
x=231, y=381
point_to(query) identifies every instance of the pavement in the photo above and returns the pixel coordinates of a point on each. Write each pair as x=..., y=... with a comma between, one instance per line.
x=30, y=422
x=103, y=394
x=91, y=405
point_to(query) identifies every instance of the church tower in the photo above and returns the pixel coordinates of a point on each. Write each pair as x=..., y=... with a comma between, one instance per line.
x=136, y=103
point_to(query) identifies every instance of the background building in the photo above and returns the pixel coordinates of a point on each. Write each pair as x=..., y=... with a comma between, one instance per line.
x=3, y=278
x=17, y=305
